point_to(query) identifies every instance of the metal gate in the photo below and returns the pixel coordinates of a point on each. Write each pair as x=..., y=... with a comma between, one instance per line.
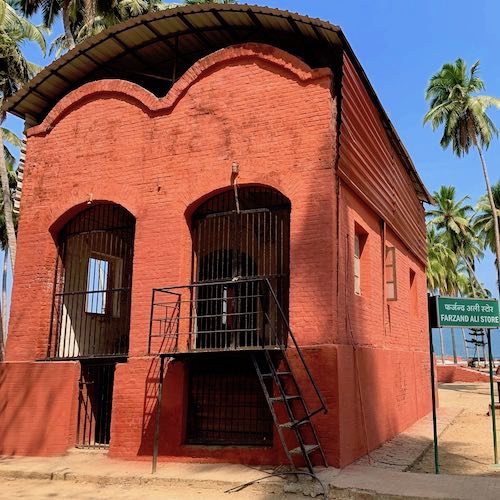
x=95, y=398
x=91, y=305
x=242, y=235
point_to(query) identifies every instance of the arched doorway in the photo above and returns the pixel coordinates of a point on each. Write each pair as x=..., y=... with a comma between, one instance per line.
x=91, y=310
x=238, y=240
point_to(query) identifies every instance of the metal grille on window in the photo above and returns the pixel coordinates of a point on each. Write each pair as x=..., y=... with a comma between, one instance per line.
x=227, y=405
x=228, y=246
x=91, y=306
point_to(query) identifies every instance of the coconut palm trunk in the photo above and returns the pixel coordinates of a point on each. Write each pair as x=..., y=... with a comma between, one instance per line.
x=2, y=341
x=7, y=205
x=466, y=348
x=442, y=345
x=493, y=211
x=4, y=291
x=70, y=40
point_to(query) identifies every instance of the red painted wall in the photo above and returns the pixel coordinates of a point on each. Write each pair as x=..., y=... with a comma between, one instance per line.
x=449, y=373
x=159, y=158
x=38, y=407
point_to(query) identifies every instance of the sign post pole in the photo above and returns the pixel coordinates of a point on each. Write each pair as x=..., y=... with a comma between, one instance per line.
x=492, y=393
x=432, y=312
x=455, y=312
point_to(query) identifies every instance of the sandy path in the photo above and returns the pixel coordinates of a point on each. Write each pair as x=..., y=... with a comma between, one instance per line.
x=42, y=489
x=466, y=447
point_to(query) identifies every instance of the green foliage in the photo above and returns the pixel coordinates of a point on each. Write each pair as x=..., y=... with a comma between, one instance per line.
x=483, y=220
x=453, y=246
x=453, y=104
x=15, y=30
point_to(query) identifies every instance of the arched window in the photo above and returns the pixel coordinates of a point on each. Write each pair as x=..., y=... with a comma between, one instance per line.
x=91, y=308
x=243, y=236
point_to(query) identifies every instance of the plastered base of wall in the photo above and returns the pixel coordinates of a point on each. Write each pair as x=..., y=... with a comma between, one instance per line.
x=372, y=395
x=450, y=374
x=38, y=404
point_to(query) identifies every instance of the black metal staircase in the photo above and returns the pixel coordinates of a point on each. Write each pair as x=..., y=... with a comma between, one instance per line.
x=281, y=388
x=244, y=314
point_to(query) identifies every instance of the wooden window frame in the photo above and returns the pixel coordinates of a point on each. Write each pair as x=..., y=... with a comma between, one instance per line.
x=391, y=273
x=359, y=257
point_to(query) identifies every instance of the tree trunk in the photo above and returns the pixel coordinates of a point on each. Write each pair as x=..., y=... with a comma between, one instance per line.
x=493, y=211
x=453, y=346
x=442, y=344
x=2, y=342
x=473, y=273
x=4, y=291
x=466, y=348
x=67, y=26
x=7, y=206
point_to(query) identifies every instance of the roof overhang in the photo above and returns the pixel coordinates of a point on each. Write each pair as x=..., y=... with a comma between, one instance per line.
x=155, y=49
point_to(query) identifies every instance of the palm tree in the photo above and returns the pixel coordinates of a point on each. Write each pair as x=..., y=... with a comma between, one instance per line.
x=483, y=220
x=441, y=261
x=454, y=103
x=15, y=70
x=451, y=216
x=4, y=244
x=454, y=219
x=51, y=10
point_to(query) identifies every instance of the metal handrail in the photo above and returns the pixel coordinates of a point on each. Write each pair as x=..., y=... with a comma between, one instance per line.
x=281, y=345
x=299, y=352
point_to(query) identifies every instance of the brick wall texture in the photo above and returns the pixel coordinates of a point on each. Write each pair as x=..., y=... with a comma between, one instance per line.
x=112, y=141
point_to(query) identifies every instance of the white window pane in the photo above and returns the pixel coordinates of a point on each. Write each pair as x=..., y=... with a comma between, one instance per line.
x=97, y=283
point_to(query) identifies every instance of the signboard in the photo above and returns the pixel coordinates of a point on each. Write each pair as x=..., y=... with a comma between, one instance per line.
x=451, y=312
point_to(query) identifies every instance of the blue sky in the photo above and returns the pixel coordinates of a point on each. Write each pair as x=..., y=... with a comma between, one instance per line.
x=400, y=45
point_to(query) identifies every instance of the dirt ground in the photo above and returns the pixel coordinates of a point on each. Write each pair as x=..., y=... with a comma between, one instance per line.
x=466, y=447
x=42, y=489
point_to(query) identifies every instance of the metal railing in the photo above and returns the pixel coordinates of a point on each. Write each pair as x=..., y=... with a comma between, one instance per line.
x=222, y=316
x=90, y=324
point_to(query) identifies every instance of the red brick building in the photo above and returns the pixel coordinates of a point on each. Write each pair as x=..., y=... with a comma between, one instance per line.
x=236, y=161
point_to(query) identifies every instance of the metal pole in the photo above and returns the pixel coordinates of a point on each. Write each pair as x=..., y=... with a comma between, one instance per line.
x=433, y=387
x=492, y=393
x=158, y=412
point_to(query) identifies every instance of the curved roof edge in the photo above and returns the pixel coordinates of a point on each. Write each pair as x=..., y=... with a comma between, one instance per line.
x=62, y=75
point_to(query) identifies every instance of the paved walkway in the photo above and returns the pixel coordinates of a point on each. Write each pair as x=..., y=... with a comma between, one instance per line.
x=354, y=482
x=94, y=475
x=402, y=452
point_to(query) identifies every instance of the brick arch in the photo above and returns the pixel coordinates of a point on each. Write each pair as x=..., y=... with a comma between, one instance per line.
x=149, y=103
x=202, y=198
x=67, y=214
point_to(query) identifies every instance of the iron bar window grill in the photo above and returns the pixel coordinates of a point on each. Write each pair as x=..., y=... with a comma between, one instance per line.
x=91, y=303
x=240, y=238
x=227, y=405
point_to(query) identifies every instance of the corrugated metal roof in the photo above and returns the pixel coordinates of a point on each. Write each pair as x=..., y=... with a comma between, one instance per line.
x=152, y=49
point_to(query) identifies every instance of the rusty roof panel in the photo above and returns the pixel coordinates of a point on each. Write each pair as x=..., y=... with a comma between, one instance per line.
x=201, y=29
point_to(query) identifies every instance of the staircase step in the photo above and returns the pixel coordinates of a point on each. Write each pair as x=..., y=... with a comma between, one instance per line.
x=281, y=398
x=309, y=448
x=295, y=423
x=280, y=374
